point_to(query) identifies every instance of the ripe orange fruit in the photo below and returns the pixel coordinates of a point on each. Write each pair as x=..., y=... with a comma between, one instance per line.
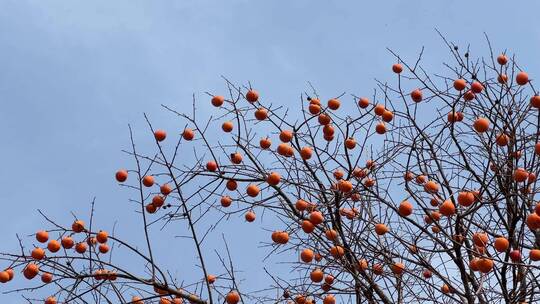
x=324, y=119
x=469, y=95
x=227, y=126
x=379, y=109
x=252, y=190
x=232, y=297
x=405, y=208
x=188, y=134
x=265, y=143
x=273, y=178
x=211, y=166
x=301, y=205
x=431, y=187
x=502, y=59
x=250, y=216
x=165, y=189
x=333, y=104
x=522, y=78
x=286, y=136
x=103, y=248
x=380, y=128
x=535, y=101
x=306, y=153
x=350, y=143
x=387, y=116
x=314, y=109
x=50, y=300
x=465, y=198
x=485, y=265
x=363, y=102
x=337, y=251
x=67, y=242
x=42, y=236
x=345, y=186
x=460, y=84
x=158, y=201
x=102, y=237
x=502, y=78
x=46, y=278
x=4, y=277
x=477, y=87
x=397, y=268
x=502, y=140
x=261, y=114
x=316, y=217
x=306, y=255
x=481, y=125
x=377, y=269
x=137, y=300
x=280, y=237
x=226, y=201
x=236, y=158
x=121, y=175
x=231, y=185
x=252, y=96
x=211, y=279
x=381, y=229
x=38, y=254
x=397, y=68
x=77, y=226
x=362, y=265
x=217, y=101
x=447, y=208
x=151, y=208
x=520, y=175
x=329, y=299
x=81, y=247
x=416, y=95
x=316, y=275
x=445, y=289
x=160, y=135
x=148, y=181
x=31, y=271
x=501, y=244
x=533, y=221
x=534, y=255
x=480, y=239
x=331, y=234
x=53, y=246
x=308, y=226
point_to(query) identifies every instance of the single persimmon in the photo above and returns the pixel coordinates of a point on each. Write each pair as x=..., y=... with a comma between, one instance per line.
x=363, y=102
x=416, y=95
x=265, y=143
x=42, y=236
x=252, y=96
x=227, y=126
x=217, y=101
x=188, y=134
x=53, y=246
x=160, y=135
x=522, y=78
x=460, y=84
x=148, y=181
x=121, y=175
x=250, y=216
x=261, y=114
x=397, y=68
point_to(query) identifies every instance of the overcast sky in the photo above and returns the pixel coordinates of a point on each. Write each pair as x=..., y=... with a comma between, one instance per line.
x=73, y=74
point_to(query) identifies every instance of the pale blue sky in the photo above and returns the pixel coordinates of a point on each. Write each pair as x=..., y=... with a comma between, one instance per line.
x=73, y=74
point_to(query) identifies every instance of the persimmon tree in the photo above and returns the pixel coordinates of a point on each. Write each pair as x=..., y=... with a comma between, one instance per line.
x=423, y=192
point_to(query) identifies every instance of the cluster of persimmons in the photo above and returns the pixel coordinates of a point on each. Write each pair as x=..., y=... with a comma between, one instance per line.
x=351, y=237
